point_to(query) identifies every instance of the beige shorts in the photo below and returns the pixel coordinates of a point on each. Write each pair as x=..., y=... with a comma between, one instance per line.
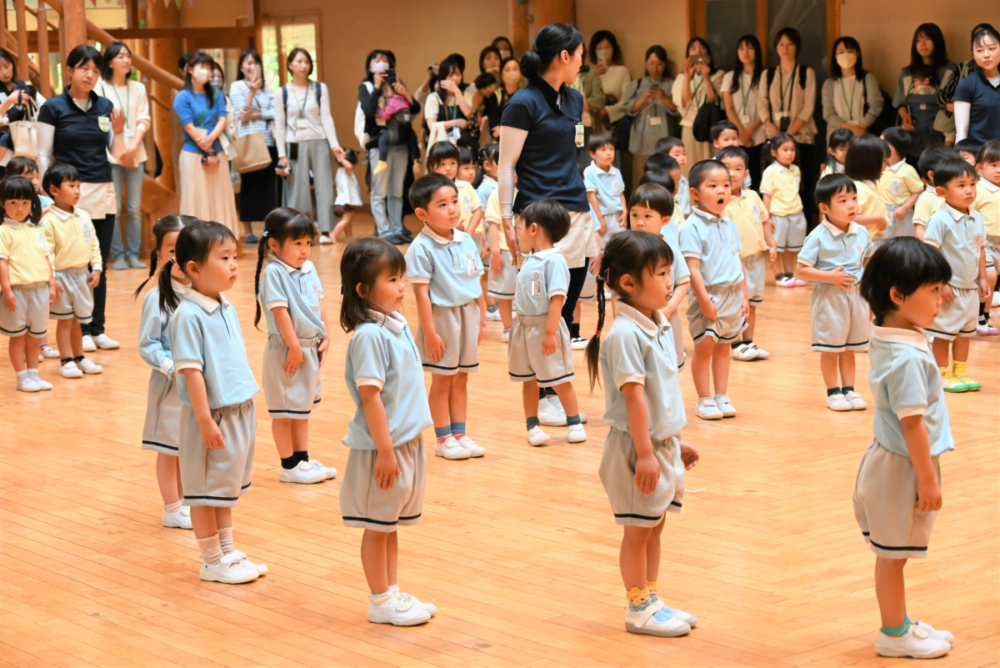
x=993, y=253
x=525, y=359
x=218, y=477
x=161, y=430
x=77, y=299
x=291, y=397
x=364, y=506
x=614, y=228
x=755, y=269
x=729, y=322
x=501, y=286
x=957, y=318
x=579, y=243
x=841, y=320
x=885, y=505
x=790, y=231
x=458, y=327
x=30, y=314
x=617, y=471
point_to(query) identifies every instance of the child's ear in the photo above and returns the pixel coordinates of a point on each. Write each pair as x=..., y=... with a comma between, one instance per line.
x=824, y=209
x=191, y=269
x=273, y=246
x=896, y=296
x=627, y=283
x=940, y=191
x=421, y=214
x=362, y=290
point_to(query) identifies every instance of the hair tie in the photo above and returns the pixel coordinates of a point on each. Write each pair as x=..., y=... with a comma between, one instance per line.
x=597, y=333
x=265, y=235
x=173, y=260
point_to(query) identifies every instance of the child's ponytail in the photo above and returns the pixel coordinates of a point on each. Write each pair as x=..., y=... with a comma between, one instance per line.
x=593, y=352
x=169, y=300
x=162, y=227
x=261, y=251
x=772, y=144
x=488, y=153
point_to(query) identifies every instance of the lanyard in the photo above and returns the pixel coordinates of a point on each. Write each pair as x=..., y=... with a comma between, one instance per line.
x=302, y=105
x=128, y=99
x=696, y=90
x=204, y=117
x=849, y=103
x=781, y=87
x=745, y=92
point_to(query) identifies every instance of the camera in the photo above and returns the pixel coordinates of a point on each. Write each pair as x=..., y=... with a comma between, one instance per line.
x=390, y=76
x=434, y=68
x=699, y=59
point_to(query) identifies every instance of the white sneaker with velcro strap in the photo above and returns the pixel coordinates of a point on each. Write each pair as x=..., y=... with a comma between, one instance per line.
x=230, y=570
x=391, y=608
x=916, y=643
x=652, y=621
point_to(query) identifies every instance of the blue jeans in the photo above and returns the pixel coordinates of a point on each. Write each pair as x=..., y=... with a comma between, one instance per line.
x=132, y=179
x=387, y=190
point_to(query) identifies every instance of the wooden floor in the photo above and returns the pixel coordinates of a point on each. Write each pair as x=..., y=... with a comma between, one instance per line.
x=518, y=550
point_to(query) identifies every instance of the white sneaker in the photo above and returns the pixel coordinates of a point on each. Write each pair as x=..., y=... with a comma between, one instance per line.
x=26, y=383
x=505, y=336
x=576, y=434
x=186, y=510
x=260, y=568
x=430, y=608
x=946, y=636
x=783, y=282
x=493, y=316
x=761, y=354
x=707, y=409
x=744, y=353
x=538, y=437
x=105, y=342
x=325, y=239
x=551, y=413
x=44, y=386
x=474, y=449
x=176, y=520
x=302, y=473
x=49, y=352
x=857, y=403
x=89, y=367
x=578, y=343
x=685, y=617
x=328, y=471
x=88, y=344
x=996, y=300
x=724, y=405
x=450, y=449
x=71, y=370
x=838, y=402
x=916, y=643
x=652, y=621
x=231, y=570
x=396, y=610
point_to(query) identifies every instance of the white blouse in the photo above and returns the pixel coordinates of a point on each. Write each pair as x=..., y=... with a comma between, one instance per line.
x=615, y=82
x=744, y=103
x=302, y=119
x=132, y=94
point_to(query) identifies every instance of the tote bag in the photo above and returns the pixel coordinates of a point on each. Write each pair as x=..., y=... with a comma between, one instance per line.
x=249, y=152
x=24, y=135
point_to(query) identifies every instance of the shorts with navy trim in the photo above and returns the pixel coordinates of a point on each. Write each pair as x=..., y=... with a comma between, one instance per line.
x=458, y=327
x=886, y=505
x=161, y=430
x=77, y=299
x=789, y=231
x=30, y=314
x=525, y=359
x=958, y=317
x=841, y=319
x=755, y=270
x=218, y=477
x=730, y=321
x=501, y=285
x=617, y=471
x=291, y=397
x=364, y=506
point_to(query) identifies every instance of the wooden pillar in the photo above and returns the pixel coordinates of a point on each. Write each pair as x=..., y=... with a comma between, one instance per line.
x=164, y=54
x=75, y=20
x=518, y=17
x=22, y=40
x=552, y=11
x=43, y=50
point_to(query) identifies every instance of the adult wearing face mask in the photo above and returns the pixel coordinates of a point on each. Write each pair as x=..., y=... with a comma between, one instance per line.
x=503, y=45
x=206, y=187
x=615, y=77
x=510, y=83
x=852, y=98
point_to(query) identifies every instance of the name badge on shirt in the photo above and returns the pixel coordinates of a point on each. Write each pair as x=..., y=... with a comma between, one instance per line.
x=86, y=232
x=537, y=289
x=470, y=265
x=895, y=186
x=301, y=123
x=579, y=135
x=744, y=119
x=755, y=210
x=456, y=133
x=314, y=287
x=732, y=241
x=859, y=255
x=655, y=120
x=466, y=202
x=41, y=242
x=129, y=133
x=104, y=122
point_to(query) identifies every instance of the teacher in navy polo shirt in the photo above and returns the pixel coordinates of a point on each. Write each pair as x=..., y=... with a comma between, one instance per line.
x=977, y=98
x=79, y=127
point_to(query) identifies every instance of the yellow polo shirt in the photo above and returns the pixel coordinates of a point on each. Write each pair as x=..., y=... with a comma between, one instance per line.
x=23, y=246
x=898, y=183
x=782, y=184
x=748, y=212
x=468, y=200
x=72, y=239
x=870, y=204
x=493, y=216
x=988, y=205
x=927, y=205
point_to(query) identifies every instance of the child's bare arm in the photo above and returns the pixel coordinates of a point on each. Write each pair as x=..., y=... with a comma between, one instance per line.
x=908, y=204
x=287, y=329
x=477, y=217
x=552, y=324
x=647, y=469
x=433, y=342
x=766, y=197
x=211, y=435
x=878, y=221
x=676, y=299
x=324, y=346
x=836, y=276
x=918, y=445
x=386, y=466
x=595, y=205
x=8, y=295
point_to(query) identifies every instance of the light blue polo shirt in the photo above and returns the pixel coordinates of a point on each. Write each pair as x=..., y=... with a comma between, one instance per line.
x=608, y=185
x=298, y=290
x=485, y=189
x=205, y=334
x=905, y=381
x=543, y=276
x=451, y=266
x=638, y=350
x=827, y=248
x=960, y=238
x=383, y=354
x=716, y=242
x=154, y=344
x=679, y=271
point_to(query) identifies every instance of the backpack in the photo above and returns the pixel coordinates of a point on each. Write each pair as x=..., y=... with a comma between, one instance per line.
x=284, y=96
x=359, y=118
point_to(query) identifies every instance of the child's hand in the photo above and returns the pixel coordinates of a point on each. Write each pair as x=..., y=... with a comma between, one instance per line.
x=622, y=218
x=929, y=496
x=668, y=311
x=386, y=470
x=324, y=346
x=293, y=360
x=47, y=209
x=689, y=455
x=900, y=212
x=496, y=263
x=984, y=290
x=947, y=294
x=482, y=329
x=94, y=278
x=595, y=264
x=772, y=256
x=647, y=474
x=746, y=307
x=548, y=343
x=55, y=291
x=840, y=279
x=603, y=229
x=211, y=435
x=435, y=346
x=708, y=309
x=10, y=301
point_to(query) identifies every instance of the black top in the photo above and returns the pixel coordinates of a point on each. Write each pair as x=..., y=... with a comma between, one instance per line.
x=494, y=104
x=79, y=138
x=548, y=165
x=369, y=105
x=984, y=116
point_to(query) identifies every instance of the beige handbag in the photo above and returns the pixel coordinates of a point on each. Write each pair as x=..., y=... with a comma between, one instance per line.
x=24, y=135
x=249, y=153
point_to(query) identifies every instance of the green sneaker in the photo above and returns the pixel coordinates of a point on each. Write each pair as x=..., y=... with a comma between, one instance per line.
x=968, y=385
x=952, y=384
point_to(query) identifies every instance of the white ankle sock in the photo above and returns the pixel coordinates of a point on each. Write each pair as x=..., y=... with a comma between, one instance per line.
x=174, y=507
x=226, y=539
x=211, y=552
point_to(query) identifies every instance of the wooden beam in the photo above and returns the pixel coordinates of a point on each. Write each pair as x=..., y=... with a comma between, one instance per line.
x=553, y=11
x=832, y=21
x=43, y=50
x=74, y=14
x=518, y=17
x=762, y=29
x=22, y=39
x=230, y=33
x=132, y=13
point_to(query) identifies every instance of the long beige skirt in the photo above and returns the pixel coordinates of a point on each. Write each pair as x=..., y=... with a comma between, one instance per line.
x=207, y=192
x=696, y=150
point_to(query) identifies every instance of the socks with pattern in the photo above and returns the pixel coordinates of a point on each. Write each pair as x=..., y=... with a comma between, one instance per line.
x=174, y=507
x=945, y=372
x=211, y=551
x=226, y=539
x=458, y=430
x=638, y=599
x=830, y=391
x=442, y=433
x=959, y=369
x=533, y=422
x=653, y=588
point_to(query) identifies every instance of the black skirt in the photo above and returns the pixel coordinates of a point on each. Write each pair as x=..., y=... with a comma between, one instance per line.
x=257, y=191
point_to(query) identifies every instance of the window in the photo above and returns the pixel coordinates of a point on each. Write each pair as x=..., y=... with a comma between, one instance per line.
x=280, y=34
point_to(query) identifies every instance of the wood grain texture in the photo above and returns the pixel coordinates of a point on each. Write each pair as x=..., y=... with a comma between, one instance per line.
x=518, y=550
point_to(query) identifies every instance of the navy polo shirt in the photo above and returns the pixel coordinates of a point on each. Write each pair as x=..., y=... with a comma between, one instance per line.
x=547, y=167
x=79, y=139
x=984, y=117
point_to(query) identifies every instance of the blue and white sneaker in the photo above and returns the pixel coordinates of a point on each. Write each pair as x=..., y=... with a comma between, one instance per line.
x=651, y=621
x=685, y=617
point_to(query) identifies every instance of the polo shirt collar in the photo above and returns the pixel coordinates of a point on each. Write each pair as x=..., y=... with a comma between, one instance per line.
x=989, y=186
x=911, y=337
x=645, y=324
x=836, y=232
x=394, y=321
x=551, y=95
x=983, y=76
x=205, y=302
x=897, y=165
x=305, y=268
x=781, y=167
x=931, y=189
x=11, y=223
x=610, y=170
x=706, y=216
x=955, y=213
x=72, y=105
x=456, y=235
x=63, y=215
x=490, y=180
x=541, y=255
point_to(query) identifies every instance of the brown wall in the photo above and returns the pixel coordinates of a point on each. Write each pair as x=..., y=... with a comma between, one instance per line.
x=638, y=25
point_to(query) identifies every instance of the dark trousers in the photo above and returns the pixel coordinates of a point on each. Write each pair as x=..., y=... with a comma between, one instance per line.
x=806, y=159
x=105, y=228
x=756, y=173
x=577, y=278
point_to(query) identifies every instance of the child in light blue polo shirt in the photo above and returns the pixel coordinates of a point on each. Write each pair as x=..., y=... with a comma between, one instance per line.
x=832, y=259
x=386, y=474
x=216, y=389
x=605, y=188
x=289, y=289
x=444, y=267
x=897, y=494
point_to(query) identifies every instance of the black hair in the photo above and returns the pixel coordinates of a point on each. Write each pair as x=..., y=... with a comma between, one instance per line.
x=248, y=53
x=423, y=189
x=82, y=55
x=200, y=58
x=351, y=156
x=372, y=55
x=194, y=243
x=497, y=40
x=990, y=152
x=982, y=32
x=839, y=137
x=363, y=262
x=716, y=130
x=712, y=68
x=659, y=161
x=701, y=170
x=921, y=71
x=458, y=59
x=182, y=62
x=161, y=228
x=548, y=43
x=939, y=58
x=482, y=56
x=653, y=196
x=660, y=53
x=598, y=141
x=20, y=165
x=758, y=62
x=660, y=177
x=949, y=170
x=866, y=157
x=465, y=157
x=294, y=53
x=775, y=142
x=600, y=36
x=794, y=36
x=899, y=139
x=281, y=225
x=836, y=72
x=831, y=185
x=968, y=145
x=110, y=53
x=904, y=263
x=57, y=174
x=667, y=144
x=445, y=68
x=441, y=151
x=628, y=253
x=485, y=80
x=487, y=153
x=550, y=215
x=734, y=152
x=19, y=187
x=932, y=157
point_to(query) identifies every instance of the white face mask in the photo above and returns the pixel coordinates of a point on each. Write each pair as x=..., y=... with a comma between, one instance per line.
x=216, y=84
x=847, y=59
x=504, y=54
x=380, y=66
x=201, y=75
